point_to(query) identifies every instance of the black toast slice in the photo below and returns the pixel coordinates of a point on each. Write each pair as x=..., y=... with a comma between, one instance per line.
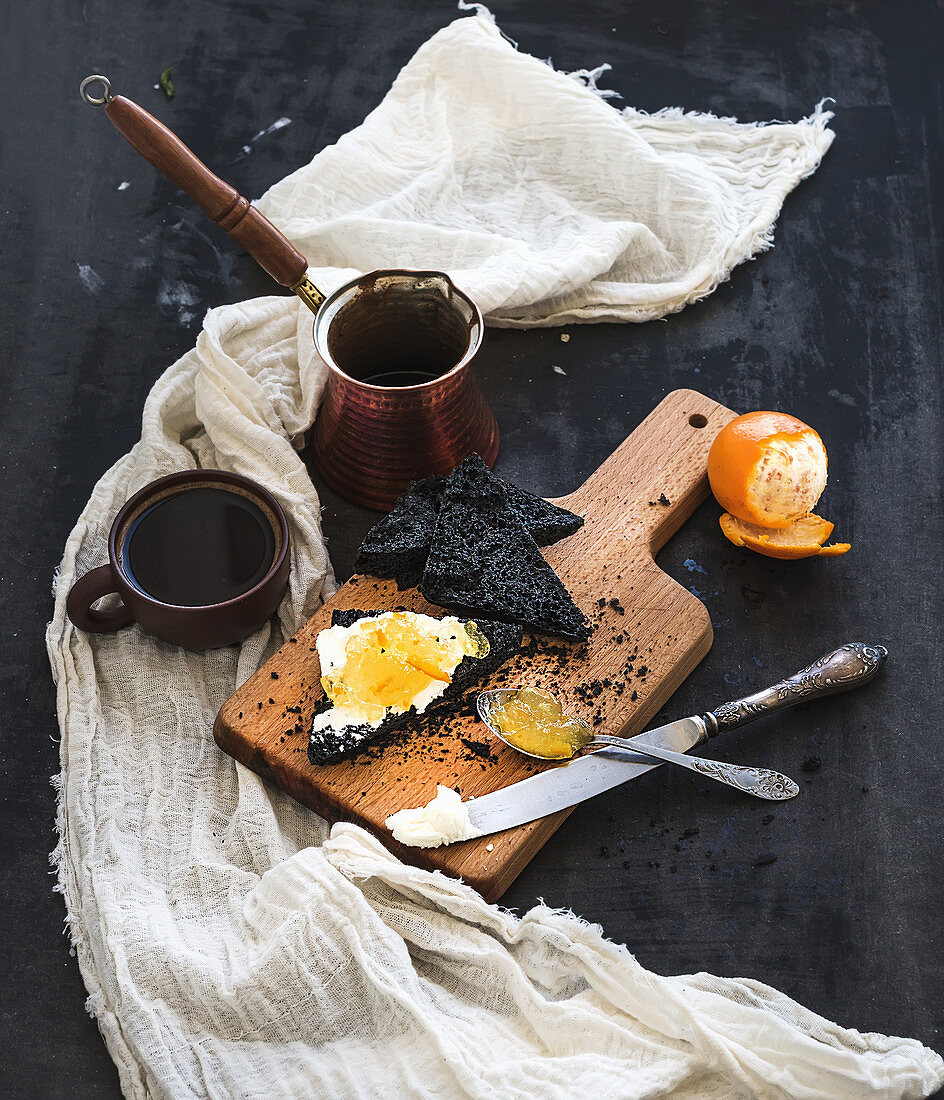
x=483, y=561
x=396, y=548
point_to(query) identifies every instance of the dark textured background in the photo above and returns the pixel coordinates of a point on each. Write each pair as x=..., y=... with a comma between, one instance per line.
x=840, y=324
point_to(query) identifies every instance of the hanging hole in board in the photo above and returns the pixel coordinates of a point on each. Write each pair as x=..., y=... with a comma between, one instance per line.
x=698, y=420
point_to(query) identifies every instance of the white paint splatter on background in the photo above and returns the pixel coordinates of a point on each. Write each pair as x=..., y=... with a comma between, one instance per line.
x=91, y=280
x=279, y=124
x=179, y=297
x=124, y=185
x=844, y=398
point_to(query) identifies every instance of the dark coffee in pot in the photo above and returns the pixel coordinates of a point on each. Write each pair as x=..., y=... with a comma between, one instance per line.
x=199, y=546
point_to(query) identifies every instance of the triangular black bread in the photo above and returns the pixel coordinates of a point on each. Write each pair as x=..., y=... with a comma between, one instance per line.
x=329, y=745
x=545, y=522
x=483, y=561
x=397, y=547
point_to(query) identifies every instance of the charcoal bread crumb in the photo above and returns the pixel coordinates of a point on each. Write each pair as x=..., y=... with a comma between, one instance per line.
x=483, y=561
x=329, y=745
x=396, y=548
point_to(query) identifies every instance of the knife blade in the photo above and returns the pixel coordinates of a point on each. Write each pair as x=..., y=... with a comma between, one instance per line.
x=561, y=787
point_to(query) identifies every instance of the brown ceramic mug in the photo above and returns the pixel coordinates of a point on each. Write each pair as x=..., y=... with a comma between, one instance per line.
x=199, y=559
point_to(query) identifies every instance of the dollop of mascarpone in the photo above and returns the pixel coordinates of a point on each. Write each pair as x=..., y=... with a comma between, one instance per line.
x=442, y=821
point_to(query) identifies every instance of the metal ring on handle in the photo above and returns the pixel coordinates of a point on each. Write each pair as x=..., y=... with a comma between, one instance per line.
x=106, y=85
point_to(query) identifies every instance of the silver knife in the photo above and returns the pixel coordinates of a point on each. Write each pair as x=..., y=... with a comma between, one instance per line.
x=845, y=668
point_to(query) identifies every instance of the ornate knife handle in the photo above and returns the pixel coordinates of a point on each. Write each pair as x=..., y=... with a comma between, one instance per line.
x=845, y=668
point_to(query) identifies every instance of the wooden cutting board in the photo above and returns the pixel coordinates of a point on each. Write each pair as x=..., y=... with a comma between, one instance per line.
x=649, y=633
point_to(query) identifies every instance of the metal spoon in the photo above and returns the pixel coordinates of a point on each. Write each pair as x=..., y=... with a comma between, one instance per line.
x=760, y=782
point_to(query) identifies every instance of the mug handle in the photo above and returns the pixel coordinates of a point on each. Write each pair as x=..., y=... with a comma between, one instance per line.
x=88, y=590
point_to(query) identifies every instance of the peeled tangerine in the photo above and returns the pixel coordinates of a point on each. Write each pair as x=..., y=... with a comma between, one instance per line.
x=768, y=470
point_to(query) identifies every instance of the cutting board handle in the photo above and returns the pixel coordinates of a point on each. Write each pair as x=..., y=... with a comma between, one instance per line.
x=658, y=476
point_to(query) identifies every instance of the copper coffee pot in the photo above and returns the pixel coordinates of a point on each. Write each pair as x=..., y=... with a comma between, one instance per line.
x=401, y=401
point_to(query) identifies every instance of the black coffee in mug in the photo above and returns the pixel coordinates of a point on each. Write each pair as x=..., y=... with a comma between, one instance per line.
x=199, y=546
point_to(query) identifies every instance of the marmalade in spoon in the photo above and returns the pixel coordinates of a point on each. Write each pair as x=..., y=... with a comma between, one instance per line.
x=533, y=721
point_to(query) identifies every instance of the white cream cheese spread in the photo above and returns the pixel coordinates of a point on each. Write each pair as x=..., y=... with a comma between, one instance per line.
x=387, y=663
x=442, y=821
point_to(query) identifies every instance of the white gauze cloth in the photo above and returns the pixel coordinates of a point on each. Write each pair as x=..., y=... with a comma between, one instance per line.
x=231, y=947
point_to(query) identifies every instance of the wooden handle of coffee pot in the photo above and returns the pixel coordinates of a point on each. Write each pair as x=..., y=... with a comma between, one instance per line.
x=242, y=221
